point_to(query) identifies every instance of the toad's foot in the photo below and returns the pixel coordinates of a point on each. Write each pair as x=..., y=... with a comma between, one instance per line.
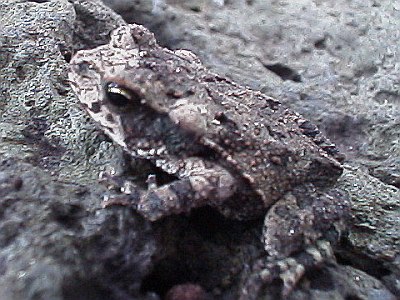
x=288, y=270
x=298, y=232
x=198, y=184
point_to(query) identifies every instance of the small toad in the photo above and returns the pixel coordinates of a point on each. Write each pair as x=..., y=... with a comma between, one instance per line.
x=223, y=145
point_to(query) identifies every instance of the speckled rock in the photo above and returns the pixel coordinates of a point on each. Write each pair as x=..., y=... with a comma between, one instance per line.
x=40, y=121
x=374, y=238
x=336, y=62
x=336, y=282
x=58, y=242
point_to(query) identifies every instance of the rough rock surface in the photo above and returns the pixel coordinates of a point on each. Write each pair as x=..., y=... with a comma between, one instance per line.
x=337, y=62
x=58, y=243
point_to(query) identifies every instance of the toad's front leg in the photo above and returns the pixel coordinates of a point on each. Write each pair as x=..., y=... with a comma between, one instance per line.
x=199, y=183
x=298, y=233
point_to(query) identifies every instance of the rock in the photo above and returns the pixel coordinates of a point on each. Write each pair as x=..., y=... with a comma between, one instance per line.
x=56, y=240
x=374, y=241
x=58, y=243
x=335, y=62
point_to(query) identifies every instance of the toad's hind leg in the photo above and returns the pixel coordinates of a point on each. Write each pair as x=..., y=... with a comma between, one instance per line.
x=199, y=183
x=298, y=233
x=289, y=270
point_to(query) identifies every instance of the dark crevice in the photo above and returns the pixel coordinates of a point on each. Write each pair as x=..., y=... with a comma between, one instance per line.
x=196, y=9
x=86, y=289
x=20, y=72
x=320, y=279
x=351, y=297
x=50, y=150
x=65, y=52
x=212, y=226
x=200, y=231
x=68, y=215
x=320, y=44
x=349, y=256
x=284, y=72
x=67, y=56
x=166, y=274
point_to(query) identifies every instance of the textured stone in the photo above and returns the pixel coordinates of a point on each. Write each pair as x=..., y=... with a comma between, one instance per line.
x=334, y=61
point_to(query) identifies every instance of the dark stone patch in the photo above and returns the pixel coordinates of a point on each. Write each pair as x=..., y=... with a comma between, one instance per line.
x=110, y=118
x=321, y=280
x=48, y=152
x=68, y=215
x=383, y=97
x=96, y=107
x=320, y=43
x=284, y=72
x=20, y=72
x=349, y=256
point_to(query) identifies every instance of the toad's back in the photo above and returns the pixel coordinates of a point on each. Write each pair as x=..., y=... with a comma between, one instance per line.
x=186, y=110
x=273, y=148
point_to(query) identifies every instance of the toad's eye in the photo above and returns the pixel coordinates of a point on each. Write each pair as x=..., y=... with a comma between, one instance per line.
x=120, y=96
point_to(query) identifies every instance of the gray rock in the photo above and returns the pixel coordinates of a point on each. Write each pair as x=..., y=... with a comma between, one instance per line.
x=341, y=282
x=57, y=242
x=374, y=238
x=335, y=62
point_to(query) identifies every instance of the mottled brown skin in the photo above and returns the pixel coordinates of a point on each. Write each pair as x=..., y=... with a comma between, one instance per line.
x=227, y=146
